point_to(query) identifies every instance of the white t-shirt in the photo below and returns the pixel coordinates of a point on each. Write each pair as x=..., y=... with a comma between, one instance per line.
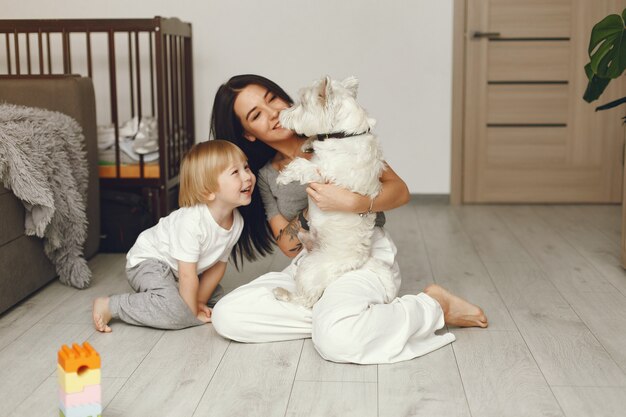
x=189, y=234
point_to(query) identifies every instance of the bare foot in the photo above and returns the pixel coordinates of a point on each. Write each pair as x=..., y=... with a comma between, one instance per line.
x=101, y=314
x=457, y=311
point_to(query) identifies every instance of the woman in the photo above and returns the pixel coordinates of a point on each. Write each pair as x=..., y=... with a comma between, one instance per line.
x=351, y=322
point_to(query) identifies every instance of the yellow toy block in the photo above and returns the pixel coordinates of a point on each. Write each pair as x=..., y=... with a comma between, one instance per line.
x=76, y=381
x=79, y=358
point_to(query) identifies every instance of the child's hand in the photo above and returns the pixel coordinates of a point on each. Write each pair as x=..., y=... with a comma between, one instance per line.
x=204, y=313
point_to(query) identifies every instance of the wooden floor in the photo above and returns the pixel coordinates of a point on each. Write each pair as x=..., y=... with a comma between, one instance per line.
x=548, y=278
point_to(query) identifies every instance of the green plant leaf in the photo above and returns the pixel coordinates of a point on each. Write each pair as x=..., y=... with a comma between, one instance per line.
x=609, y=26
x=607, y=47
x=607, y=54
x=589, y=71
x=596, y=85
x=598, y=57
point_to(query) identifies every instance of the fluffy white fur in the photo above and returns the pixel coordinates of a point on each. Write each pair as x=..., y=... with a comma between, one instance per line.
x=338, y=242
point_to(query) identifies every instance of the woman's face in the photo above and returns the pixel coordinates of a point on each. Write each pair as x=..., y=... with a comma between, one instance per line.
x=258, y=109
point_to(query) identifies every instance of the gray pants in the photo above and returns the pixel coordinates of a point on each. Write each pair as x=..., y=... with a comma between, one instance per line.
x=157, y=301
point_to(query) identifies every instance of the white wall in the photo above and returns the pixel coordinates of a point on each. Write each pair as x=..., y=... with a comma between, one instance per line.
x=400, y=50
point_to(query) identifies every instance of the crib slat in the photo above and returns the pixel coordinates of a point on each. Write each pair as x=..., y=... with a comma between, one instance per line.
x=181, y=105
x=138, y=68
x=67, y=62
x=161, y=68
x=168, y=102
x=49, y=53
x=174, y=81
x=40, y=47
x=17, y=52
x=130, y=75
x=173, y=58
x=152, y=66
x=113, y=87
x=28, y=66
x=8, y=47
x=190, y=128
x=89, y=62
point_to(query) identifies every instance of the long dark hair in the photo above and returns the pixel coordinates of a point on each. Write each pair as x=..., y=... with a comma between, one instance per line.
x=256, y=238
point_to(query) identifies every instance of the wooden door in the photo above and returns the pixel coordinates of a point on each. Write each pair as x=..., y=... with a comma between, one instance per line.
x=528, y=136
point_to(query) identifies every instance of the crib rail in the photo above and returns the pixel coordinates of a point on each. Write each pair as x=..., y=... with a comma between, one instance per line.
x=149, y=73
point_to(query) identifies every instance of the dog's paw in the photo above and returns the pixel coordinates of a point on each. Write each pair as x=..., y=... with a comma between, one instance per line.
x=284, y=179
x=282, y=294
x=307, y=239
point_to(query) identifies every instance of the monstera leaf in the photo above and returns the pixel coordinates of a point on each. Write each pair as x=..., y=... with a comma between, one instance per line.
x=607, y=53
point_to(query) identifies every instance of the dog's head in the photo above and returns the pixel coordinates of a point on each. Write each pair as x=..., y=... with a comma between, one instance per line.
x=328, y=106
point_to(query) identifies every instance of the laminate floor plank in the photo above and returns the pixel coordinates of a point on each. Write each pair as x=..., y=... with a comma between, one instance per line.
x=313, y=368
x=493, y=241
x=592, y=401
x=606, y=218
x=429, y=386
x=457, y=266
x=31, y=359
x=252, y=380
x=500, y=376
x=330, y=399
x=601, y=251
x=404, y=229
x=122, y=350
x=172, y=378
x=604, y=314
x=567, y=352
x=38, y=306
x=108, y=279
x=565, y=266
x=45, y=399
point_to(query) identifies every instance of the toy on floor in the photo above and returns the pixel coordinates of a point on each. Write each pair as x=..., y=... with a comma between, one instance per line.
x=79, y=381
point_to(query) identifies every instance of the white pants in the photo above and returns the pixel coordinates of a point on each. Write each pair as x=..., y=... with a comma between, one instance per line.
x=350, y=323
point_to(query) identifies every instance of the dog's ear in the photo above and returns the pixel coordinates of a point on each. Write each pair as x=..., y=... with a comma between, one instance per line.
x=325, y=89
x=352, y=84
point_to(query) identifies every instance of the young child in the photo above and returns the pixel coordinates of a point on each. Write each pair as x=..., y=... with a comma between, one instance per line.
x=164, y=264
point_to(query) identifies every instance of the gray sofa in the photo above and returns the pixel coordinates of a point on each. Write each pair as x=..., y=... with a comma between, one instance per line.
x=24, y=268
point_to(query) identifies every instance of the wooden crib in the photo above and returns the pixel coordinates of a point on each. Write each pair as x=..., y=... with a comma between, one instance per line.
x=141, y=69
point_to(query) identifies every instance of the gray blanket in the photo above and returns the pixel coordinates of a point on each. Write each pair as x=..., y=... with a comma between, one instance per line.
x=43, y=161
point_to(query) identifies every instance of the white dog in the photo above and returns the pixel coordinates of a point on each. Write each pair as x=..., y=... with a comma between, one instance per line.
x=348, y=155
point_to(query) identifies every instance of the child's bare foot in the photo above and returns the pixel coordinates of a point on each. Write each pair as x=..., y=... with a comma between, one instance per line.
x=101, y=314
x=457, y=311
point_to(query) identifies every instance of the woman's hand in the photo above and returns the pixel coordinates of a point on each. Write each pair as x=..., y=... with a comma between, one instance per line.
x=331, y=197
x=394, y=193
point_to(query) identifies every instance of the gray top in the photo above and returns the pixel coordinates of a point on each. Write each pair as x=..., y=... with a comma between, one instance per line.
x=287, y=200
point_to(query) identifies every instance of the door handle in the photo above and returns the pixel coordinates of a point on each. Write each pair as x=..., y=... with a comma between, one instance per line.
x=488, y=35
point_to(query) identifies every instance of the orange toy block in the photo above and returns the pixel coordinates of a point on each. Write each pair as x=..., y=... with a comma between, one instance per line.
x=78, y=357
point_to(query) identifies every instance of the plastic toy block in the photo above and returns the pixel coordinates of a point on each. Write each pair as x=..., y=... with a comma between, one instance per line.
x=78, y=357
x=87, y=410
x=90, y=395
x=72, y=382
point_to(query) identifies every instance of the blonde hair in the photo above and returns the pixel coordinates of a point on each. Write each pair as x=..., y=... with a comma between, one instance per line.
x=201, y=168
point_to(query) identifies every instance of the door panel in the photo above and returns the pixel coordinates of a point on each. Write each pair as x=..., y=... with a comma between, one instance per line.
x=526, y=148
x=528, y=136
x=530, y=18
x=528, y=61
x=525, y=104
